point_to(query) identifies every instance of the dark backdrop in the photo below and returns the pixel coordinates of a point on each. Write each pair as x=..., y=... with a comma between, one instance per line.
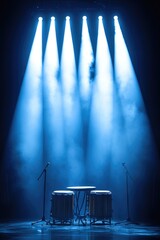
x=141, y=27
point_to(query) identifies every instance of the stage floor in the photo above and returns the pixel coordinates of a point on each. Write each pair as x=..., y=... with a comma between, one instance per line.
x=42, y=231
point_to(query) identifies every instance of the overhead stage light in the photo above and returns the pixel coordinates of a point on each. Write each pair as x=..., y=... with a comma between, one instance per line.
x=115, y=17
x=67, y=18
x=40, y=18
x=84, y=18
x=100, y=17
x=52, y=18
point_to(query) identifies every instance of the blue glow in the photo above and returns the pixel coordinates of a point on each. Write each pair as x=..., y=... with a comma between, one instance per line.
x=51, y=65
x=52, y=102
x=128, y=89
x=101, y=116
x=71, y=110
x=52, y=97
x=86, y=59
x=26, y=131
x=86, y=62
x=68, y=61
x=125, y=75
x=134, y=129
x=86, y=140
x=29, y=102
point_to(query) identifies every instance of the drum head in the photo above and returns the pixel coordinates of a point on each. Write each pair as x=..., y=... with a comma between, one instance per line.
x=101, y=192
x=62, y=192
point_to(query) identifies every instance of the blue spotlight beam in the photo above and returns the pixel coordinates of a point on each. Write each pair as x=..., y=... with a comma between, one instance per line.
x=71, y=109
x=133, y=108
x=52, y=114
x=53, y=124
x=125, y=74
x=29, y=106
x=100, y=130
x=25, y=137
x=52, y=96
x=128, y=88
x=137, y=146
x=86, y=62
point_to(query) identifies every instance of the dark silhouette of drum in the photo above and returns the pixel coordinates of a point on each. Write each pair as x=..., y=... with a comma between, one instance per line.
x=62, y=206
x=100, y=206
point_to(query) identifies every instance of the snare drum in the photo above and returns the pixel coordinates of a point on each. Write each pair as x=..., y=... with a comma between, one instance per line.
x=62, y=206
x=100, y=206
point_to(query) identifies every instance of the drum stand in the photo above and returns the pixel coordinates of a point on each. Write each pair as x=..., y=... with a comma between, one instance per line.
x=43, y=219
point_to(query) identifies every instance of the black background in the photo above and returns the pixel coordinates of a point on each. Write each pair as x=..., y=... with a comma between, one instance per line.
x=140, y=25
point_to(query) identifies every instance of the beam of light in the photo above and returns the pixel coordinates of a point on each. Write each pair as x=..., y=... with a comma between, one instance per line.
x=86, y=62
x=128, y=88
x=136, y=145
x=25, y=139
x=100, y=136
x=129, y=92
x=71, y=109
x=52, y=113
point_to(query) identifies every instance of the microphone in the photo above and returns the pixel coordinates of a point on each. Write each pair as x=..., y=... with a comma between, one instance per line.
x=48, y=163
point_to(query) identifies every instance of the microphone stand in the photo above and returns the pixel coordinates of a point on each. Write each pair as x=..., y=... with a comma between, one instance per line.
x=128, y=220
x=127, y=193
x=43, y=219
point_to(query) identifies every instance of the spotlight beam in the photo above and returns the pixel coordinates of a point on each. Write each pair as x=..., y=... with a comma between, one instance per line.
x=100, y=126
x=71, y=109
x=25, y=137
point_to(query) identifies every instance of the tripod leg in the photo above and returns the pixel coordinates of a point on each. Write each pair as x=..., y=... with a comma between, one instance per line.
x=44, y=199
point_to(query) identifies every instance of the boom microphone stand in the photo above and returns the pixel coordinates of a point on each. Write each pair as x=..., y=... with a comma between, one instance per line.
x=127, y=193
x=128, y=220
x=43, y=219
